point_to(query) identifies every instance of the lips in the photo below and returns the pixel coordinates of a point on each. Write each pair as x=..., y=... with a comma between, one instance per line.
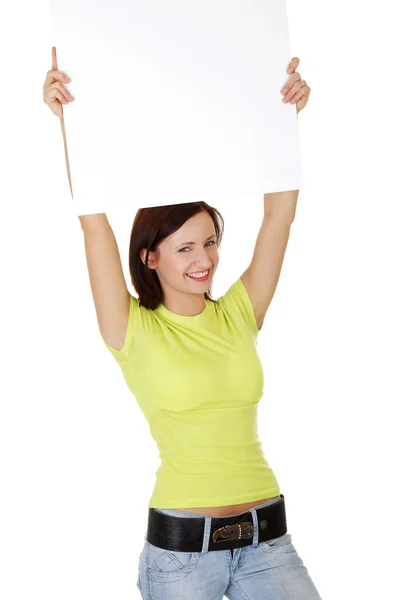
x=199, y=278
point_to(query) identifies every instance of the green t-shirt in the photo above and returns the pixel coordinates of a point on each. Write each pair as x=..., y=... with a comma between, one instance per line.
x=198, y=380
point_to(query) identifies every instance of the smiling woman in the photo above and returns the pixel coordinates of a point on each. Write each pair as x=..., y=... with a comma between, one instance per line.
x=213, y=472
x=175, y=334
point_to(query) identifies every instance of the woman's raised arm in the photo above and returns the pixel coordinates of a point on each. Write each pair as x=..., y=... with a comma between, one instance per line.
x=110, y=293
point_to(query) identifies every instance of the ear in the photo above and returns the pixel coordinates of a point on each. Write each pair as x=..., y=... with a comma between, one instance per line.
x=152, y=261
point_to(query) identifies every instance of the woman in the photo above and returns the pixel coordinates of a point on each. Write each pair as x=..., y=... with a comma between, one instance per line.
x=216, y=522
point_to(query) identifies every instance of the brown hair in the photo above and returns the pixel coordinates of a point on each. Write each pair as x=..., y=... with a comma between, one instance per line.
x=150, y=227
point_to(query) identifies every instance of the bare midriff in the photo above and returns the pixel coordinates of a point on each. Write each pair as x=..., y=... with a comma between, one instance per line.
x=225, y=511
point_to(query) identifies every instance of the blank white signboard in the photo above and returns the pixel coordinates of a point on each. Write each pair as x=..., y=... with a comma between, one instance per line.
x=176, y=101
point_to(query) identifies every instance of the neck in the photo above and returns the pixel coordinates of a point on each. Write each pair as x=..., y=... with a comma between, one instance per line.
x=187, y=305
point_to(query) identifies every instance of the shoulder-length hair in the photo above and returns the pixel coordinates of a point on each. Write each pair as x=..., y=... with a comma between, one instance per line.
x=150, y=227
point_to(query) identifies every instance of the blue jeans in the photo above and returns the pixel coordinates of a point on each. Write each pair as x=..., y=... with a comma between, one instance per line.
x=269, y=570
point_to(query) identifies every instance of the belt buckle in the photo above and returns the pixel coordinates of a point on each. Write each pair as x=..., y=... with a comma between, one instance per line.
x=238, y=531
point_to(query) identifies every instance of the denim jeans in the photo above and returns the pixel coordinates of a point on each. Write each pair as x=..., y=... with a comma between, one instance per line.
x=270, y=570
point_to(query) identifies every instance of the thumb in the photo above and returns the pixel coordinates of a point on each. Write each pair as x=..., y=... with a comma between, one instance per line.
x=54, y=58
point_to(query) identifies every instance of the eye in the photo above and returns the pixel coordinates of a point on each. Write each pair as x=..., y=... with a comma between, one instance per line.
x=187, y=247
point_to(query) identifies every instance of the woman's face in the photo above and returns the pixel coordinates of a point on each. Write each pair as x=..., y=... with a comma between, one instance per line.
x=191, y=249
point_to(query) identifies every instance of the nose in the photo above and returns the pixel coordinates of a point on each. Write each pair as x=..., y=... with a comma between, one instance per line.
x=203, y=262
x=201, y=267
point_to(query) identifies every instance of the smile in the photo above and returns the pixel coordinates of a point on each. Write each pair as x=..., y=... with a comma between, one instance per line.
x=200, y=276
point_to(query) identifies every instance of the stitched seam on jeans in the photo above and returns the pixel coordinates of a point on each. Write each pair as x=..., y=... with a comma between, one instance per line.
x=243, y=592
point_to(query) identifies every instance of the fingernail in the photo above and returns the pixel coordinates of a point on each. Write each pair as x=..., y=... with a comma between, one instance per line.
x=66, y=78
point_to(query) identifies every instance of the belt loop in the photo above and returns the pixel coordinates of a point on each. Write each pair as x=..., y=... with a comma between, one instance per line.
x=255, y=526
x=206, y=536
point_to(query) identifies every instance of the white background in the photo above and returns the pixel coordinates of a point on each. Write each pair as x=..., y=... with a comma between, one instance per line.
x=77, y=462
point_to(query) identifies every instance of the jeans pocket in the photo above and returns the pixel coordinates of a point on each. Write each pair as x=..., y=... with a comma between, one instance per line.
x=283, y=543
x=168, y=565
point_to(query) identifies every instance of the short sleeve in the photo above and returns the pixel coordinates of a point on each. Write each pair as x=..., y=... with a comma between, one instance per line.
x=237, y=302
x=122, y=354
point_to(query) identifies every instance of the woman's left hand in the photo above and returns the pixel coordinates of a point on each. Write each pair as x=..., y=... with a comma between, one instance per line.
x=295, y=89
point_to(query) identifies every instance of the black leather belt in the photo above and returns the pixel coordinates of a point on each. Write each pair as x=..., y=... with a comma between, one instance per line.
x=185, y=534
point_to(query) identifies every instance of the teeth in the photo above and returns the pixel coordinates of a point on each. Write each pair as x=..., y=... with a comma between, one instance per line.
x=199, y=276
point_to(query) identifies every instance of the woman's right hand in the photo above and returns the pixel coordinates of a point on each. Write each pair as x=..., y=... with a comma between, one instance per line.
x=55, y=94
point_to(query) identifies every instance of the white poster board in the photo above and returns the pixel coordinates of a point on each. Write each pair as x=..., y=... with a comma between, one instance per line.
x=176, y=101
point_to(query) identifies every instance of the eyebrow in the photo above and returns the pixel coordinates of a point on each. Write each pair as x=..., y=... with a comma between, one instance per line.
x=193, y=243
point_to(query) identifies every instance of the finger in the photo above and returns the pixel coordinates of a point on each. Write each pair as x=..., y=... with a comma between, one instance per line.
x=296, y=97
x=293, y=90
x=54, y=59
x=57, y=90
x=63, y=90
x=53, y=97
x=292, y=79
x=54, y=72
x=57, y=94
x=53, y=76
x=294, y=63
x=304, y=91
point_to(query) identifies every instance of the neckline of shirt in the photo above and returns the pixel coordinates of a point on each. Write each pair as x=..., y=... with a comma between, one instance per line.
x=163, y=311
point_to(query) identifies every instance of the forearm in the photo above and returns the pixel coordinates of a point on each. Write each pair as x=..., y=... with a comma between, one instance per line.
x=95, y=222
